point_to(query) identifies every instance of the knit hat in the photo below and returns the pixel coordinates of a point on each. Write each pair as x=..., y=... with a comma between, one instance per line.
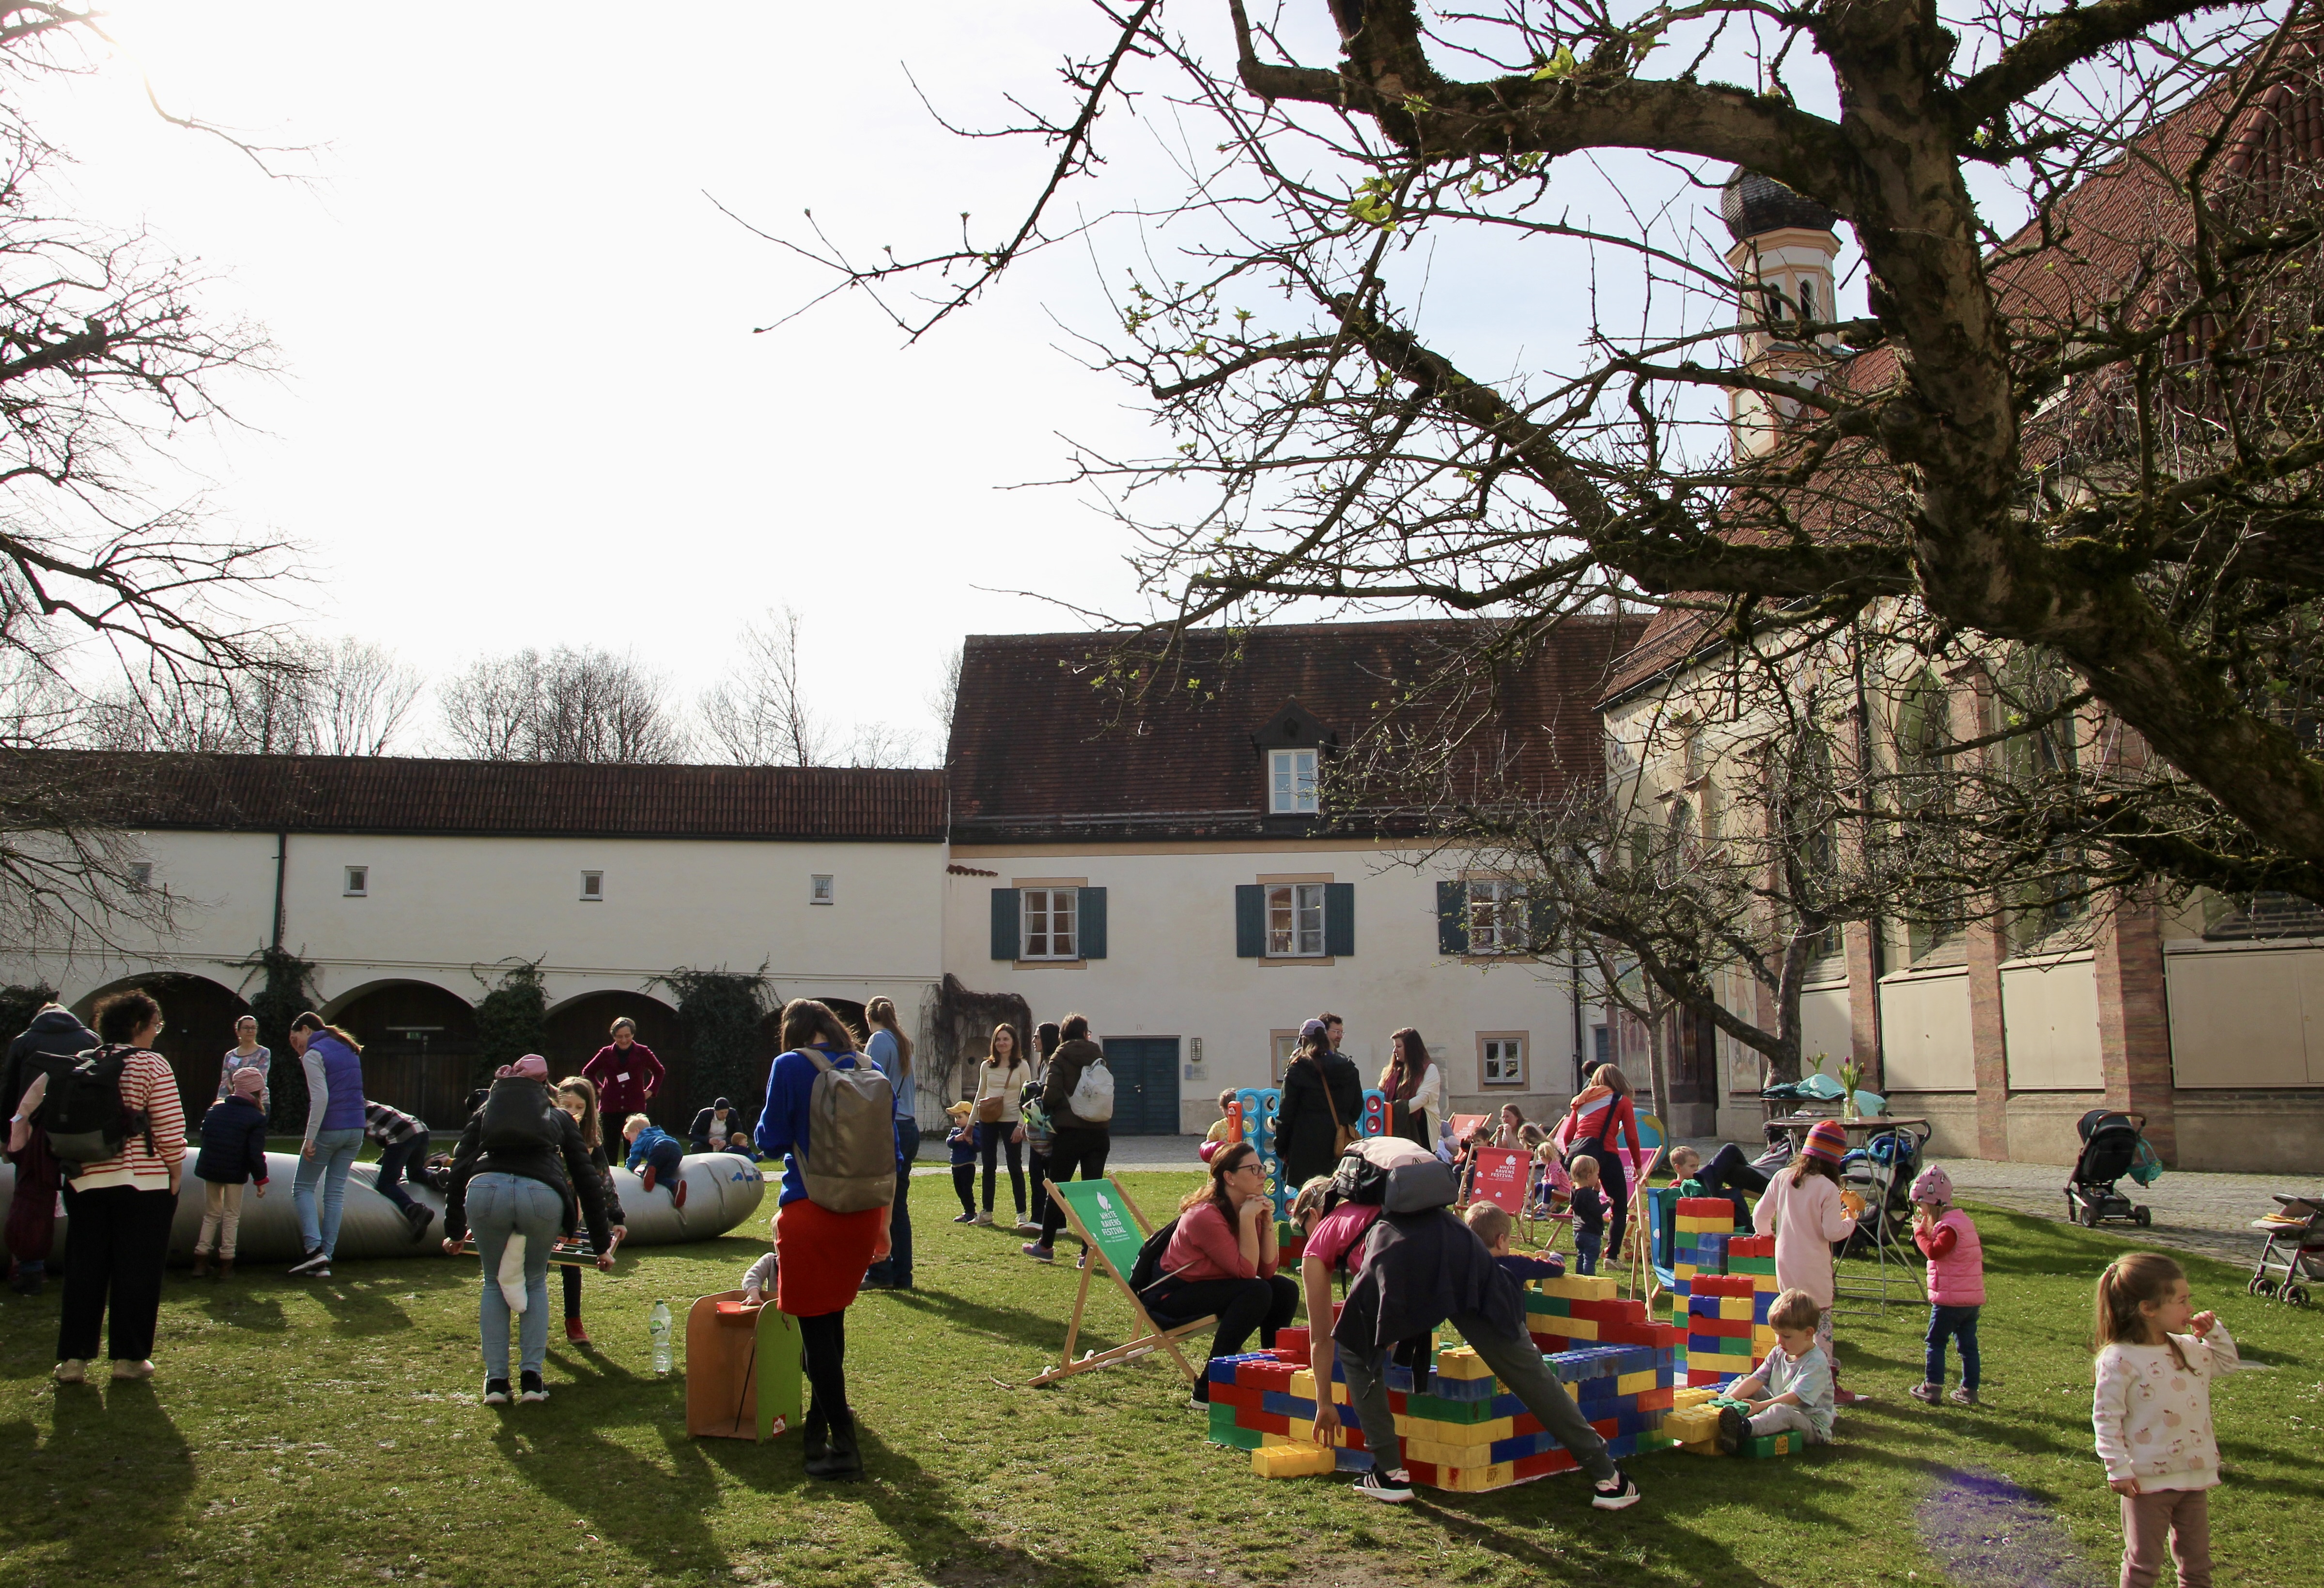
x=530, y=1067
x=1827, y=1141
x=1312, y=1028
x=1933, y=1185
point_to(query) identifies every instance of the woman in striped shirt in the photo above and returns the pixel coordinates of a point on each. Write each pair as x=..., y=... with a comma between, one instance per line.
x=121, y=1207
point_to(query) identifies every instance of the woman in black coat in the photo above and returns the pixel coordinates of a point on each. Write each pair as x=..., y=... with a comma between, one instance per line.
x=1318, y=1082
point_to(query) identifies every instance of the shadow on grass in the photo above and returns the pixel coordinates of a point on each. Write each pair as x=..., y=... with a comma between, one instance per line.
x=123, y=1474
x=1020, y=1327
x=236, y=1307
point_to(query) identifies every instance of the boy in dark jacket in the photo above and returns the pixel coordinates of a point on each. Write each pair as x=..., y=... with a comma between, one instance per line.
x=402, y=1156
x=655, y=1157
x=234, y=1152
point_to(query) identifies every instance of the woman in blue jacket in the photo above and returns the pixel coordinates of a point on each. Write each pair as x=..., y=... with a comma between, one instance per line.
x=333, y=1061
x=820, y=1256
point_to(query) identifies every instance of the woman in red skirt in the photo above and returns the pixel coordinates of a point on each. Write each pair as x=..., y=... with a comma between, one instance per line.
x=820, y=1256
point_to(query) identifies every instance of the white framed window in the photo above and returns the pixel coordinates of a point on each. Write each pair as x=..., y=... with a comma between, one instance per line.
x=593, y=887
x=1281, y=1045
x=141, y=874
x=1295, y=920
x=356, y=883
x=819, y=888
x=1291, y=783
x=1051, y=923
x=1498, y=921
x=1500, y=1060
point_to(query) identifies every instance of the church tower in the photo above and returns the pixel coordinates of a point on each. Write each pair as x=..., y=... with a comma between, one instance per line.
x=1782, y=258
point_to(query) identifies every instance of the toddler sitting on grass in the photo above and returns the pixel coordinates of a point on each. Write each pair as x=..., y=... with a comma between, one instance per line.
x=1792, y=1389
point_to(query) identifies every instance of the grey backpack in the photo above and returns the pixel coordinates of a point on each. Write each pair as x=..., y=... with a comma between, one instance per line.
x=849, y=1161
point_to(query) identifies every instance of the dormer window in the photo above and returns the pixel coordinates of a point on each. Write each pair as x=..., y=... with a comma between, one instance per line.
x=1291, y=783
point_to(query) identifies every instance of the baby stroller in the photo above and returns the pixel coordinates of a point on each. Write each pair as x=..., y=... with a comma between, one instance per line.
x=2112, y=1147
x=1882, y=1172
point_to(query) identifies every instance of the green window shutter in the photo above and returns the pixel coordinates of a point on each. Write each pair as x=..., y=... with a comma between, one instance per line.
x=1092, y=923
x=1007, y=916
x=1541, y=920
x=1339, y=918
x=1250, y=922
x=1452, y=918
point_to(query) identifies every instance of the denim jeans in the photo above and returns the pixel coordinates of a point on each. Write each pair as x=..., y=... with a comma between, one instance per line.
x=1515, y=1360
x=501, y=1206
x=395, y=1166
x=335, y=1155
x=1953, y=1323
x=896, y=1268
x=1585, y=1250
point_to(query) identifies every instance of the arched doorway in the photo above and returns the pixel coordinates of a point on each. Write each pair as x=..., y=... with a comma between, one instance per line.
x=198, y=1018
x=419, y=1046
x=580, y=1026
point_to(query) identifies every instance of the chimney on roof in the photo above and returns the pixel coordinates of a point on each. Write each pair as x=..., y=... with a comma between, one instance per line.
x=1782, y=258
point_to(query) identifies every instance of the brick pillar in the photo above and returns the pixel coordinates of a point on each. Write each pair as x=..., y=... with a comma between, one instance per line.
x=1863, y=1006
x=1988, y=946
x=2133, y=1023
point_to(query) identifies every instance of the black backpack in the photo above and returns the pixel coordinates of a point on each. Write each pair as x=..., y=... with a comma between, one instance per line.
x=1147, y=1270
x=83, y=1114
x=517, y=1119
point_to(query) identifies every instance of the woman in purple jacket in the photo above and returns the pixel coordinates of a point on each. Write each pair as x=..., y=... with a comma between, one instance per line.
x=333, y=1060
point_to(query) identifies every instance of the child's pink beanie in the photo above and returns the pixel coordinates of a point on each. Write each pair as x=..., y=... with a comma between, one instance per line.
x=1933, y=1185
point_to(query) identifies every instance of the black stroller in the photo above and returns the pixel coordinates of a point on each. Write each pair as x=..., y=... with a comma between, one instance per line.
x=2111, y=1143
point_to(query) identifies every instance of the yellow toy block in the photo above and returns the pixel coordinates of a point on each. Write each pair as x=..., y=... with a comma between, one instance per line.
x=1461, y=1363
x=1581, y=1288
x=1475, y=1480
x=1692, y=1425
x=1636, y=1384
x=1701, y=1226
x=1694, y=1395
x=1704, y=1447
x=1735, y=1309
x=1573, y=1329
x=1434, y=1431
x=1285, y=1461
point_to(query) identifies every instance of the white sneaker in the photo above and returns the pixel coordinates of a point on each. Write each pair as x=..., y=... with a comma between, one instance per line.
x=1394, y=1486
x=986, y=1217
x=1622, y=1495
x=1025, y=1223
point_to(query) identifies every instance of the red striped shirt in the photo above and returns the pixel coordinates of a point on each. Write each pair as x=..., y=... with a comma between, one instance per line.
x=146, y=1083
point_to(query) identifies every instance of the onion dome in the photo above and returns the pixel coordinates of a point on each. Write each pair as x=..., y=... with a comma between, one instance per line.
x=1751, y=204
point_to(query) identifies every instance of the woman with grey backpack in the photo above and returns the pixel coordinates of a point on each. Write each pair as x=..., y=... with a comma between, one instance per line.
x=831, y=1217
x=1078, y=1097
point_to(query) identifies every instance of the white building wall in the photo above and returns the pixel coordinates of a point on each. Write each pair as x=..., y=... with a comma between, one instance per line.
x=1171, y=969
x=435, y=906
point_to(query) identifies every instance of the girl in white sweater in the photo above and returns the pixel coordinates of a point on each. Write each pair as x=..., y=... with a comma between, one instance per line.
x=2156, y=1358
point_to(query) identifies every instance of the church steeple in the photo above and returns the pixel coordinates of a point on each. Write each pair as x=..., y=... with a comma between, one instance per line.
x=1782, y=258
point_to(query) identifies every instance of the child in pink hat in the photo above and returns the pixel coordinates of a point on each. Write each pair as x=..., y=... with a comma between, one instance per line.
x=1805, y=1210
x=1949, y=1240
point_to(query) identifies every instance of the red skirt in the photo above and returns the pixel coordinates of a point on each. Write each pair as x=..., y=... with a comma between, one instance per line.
x=820, y=1256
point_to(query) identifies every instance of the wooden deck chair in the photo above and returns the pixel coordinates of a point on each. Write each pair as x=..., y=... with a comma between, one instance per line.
x=1112, y=1229
x=741, y=1370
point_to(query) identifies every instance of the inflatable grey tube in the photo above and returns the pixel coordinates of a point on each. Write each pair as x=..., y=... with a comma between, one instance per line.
x=723, y=1189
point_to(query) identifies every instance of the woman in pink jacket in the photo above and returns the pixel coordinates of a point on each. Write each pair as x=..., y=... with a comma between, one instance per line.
x=1805, y=1211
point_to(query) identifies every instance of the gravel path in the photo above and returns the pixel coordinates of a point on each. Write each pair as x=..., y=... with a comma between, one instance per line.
x=2202, y=1212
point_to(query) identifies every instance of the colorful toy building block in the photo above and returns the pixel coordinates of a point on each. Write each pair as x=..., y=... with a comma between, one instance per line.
x=1290, y=1461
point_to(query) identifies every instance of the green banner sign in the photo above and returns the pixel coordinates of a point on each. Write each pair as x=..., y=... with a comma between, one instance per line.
x=1103, y=1214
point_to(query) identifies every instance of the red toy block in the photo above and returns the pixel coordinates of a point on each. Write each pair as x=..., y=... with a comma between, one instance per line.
x=1705, y=1207
x=1542, y=1463
x=1717, y=1285
x=1723, y=1328
x=1751, y=1246
x=1266, y=1375
x=1241, y=1397
x=1267, y=1422
x=1293, y=1344
x=1661, y=1399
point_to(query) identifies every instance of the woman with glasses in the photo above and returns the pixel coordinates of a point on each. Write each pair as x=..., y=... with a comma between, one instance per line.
x=1222, y=1258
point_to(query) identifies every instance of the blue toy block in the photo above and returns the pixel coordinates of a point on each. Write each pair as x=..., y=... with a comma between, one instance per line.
x=1351, y=1460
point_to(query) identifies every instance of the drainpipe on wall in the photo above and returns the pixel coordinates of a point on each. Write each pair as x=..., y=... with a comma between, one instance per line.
x=282, y=856
x=1577, y=1020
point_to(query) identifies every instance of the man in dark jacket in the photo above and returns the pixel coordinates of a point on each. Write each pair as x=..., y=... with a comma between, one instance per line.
x=1074, y=1143
x=47, y=1046
x=1418, y=1270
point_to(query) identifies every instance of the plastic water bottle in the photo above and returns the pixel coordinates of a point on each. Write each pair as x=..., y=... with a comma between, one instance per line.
x=658, y=1325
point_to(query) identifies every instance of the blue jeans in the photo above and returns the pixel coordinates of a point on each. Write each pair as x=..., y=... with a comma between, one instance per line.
x=896, y=1268
x=335, y=1155
x=1585, y=1250
x=501, y=1206
x=395, y=1166
x=1953, y=1323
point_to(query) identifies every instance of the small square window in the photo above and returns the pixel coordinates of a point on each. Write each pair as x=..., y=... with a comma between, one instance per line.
x=592, y=886
x=1295, y=920
x=1501, y=1061
x=358, y=882
x=1291, y=783
x=1052, y=923
x=141, y=874
x=819, y=890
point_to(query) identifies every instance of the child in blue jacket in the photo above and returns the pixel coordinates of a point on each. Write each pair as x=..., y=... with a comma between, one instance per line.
x=233, y=1154
x=659, y=1152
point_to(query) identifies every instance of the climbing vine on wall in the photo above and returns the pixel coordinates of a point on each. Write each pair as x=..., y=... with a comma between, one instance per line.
x=511, y=1017
x=723, y=1015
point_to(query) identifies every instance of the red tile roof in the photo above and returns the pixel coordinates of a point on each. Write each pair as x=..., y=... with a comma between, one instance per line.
x=1037, y=755
x=397, y=794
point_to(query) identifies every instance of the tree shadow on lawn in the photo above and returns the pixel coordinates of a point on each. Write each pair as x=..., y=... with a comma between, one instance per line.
x=908, y=1503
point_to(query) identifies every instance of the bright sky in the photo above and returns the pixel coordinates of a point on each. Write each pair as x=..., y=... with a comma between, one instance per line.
x=522, y=402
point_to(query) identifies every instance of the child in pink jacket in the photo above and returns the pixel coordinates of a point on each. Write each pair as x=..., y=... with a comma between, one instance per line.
x=1805, y=1210
x=1949, y=1240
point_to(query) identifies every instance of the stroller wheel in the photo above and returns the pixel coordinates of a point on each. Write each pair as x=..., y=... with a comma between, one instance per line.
x=2141, y=1217
x=2253, y=1287
x=2297, y=1294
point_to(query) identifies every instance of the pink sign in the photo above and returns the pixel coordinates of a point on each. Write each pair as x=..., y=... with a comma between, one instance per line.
x=1501, y=1178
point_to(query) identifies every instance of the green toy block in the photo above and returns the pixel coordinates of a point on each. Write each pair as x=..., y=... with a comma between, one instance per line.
x=1436, y=1408
x=1224, y=1432
x=1761, y=1447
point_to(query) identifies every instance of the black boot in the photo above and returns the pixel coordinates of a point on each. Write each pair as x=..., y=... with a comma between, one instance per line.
x=845, y=1462
x=818, y=1448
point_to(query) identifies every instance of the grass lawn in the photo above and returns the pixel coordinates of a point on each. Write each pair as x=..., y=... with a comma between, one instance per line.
x=331, y=1433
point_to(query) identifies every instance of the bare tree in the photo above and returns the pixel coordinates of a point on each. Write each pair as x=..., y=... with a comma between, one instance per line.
x=879, y=745
x=357, y=698
x=758, y=714
x=944, y=700
x=586, y=705
x=2078, y=418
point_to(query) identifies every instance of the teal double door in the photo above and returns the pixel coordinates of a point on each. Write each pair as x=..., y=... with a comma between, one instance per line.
x=1145, y=1085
